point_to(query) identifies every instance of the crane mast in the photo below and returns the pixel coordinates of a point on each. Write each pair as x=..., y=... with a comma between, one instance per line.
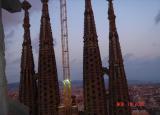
x=67, y=101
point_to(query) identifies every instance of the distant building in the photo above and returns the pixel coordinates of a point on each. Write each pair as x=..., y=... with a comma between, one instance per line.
x=140, y=112
x=73, y=111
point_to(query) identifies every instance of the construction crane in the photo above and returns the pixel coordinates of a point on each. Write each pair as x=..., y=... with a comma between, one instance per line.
x=67, y=101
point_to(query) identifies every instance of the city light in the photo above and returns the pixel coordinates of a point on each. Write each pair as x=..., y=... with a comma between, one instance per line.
x=67, y=82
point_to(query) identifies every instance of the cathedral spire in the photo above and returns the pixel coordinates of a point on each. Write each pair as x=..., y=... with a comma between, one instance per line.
x=111, y=16
x=88, y=5
x=45, y=12
x=28, y=88
x=89, y=22
x=93, y=81
x=26, y=25
x=48, y=88
x=118, y=87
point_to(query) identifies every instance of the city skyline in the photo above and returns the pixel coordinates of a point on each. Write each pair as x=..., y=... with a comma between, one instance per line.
x=138, y=34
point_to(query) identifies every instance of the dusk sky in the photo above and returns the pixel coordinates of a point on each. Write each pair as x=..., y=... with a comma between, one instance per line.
x=138, y=24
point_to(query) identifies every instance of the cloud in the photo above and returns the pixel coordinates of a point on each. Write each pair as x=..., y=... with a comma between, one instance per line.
x=156, y=44
x=74, y=60
x=8, y=39
x=36, y=6
x=13, y=73
x=10, y=20
x=143, y=69
x=16, y=61
x=13, y=19
x=10, y=34
x=157, y=18
x=76, y=69
x=35, y=44
x=128, y=56
x=105, y=61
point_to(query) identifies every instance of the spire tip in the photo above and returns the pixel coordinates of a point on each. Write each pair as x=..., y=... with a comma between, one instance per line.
x=26, y=5
x=44, y=1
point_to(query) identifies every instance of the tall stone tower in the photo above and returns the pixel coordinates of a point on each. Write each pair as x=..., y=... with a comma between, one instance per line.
x=93, y=81
x=28, y=87
x=118, y=88
x=48, y=89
